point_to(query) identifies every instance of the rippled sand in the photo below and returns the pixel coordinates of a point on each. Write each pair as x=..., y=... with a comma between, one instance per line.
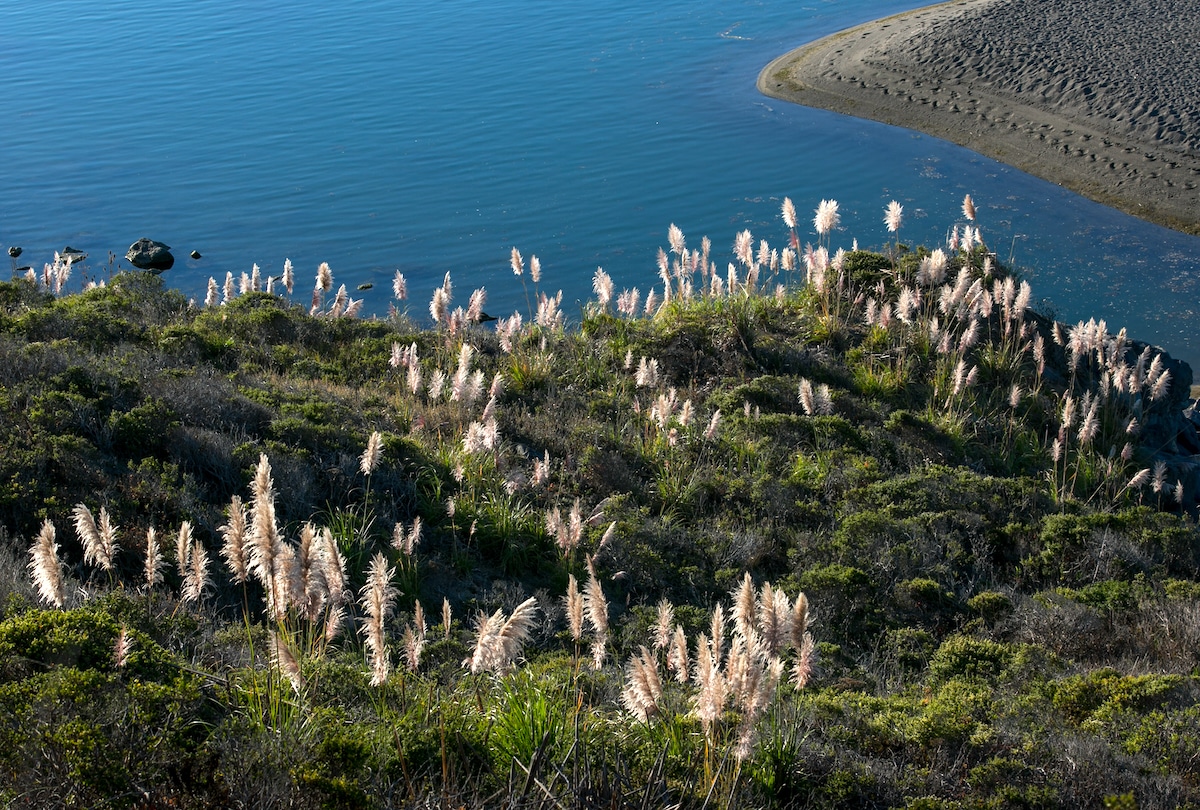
x=1102, y=97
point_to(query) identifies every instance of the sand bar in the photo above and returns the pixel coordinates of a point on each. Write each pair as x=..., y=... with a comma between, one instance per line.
x=1099, y=96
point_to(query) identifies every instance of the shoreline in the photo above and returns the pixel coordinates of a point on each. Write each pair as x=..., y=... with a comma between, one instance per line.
x=965, y=71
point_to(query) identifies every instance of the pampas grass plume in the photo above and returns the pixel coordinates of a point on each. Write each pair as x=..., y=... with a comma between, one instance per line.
x=154, y=560
x=45, y=568
x=370, y=457
x=499, y=640
x=677, y=656
x=233, y=535
x=99, y=540
x=663, y=626
x=377, y=597
x=892, y=216
x=574, y=606
x=265, y=543
x=643, y=687
x=196, y=581
x=183, y=548
x=596, y=606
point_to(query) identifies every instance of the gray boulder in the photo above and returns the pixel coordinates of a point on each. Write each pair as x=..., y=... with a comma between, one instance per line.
x=147, y=254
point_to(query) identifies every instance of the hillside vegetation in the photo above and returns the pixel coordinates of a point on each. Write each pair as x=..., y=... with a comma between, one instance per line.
x=818, y=529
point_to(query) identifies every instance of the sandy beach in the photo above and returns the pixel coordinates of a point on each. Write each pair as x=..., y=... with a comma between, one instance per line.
x=1099, y=96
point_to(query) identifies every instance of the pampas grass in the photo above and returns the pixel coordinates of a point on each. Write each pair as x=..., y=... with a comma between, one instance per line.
x=595, y=606
x=99, y=539
x=370, y=457
x=233, y=535
x=196, y=581
x=377, y=597
x=153, y=570
x=499, y=640
x=266, y=546
x=45, y=568
x=643, y=688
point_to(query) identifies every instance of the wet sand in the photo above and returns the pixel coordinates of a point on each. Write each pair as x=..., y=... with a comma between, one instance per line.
x=1101, y=97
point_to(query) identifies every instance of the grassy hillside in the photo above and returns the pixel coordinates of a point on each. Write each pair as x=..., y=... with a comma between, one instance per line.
x=810, y=530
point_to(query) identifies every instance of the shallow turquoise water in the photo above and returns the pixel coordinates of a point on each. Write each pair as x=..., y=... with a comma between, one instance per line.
x=435, y=137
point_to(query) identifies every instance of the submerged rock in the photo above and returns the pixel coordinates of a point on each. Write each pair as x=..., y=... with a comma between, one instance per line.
x=147, y=254
x=72, y=255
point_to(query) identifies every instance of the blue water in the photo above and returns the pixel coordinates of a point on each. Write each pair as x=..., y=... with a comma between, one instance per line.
x=435, y=137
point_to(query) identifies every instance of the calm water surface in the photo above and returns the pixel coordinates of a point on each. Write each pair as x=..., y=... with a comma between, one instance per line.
x=434, y=137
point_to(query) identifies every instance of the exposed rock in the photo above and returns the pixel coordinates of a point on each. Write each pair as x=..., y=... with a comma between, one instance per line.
x=195, y=254
x=72, y=255
x=147, y=254
x=15, y=251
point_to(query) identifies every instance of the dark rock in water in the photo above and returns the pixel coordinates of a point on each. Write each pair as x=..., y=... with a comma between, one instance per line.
x=15, y=251
x=366, y=286
x=24, y=269
x=147, y=254
x=72, y=255
x=195, y=254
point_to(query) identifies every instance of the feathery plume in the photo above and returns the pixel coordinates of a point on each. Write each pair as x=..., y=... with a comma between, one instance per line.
x=574, y=606
x=799, y=620
x=233, y=536
x=1160, y=476
x=475, y=305
x=377, y=598
x=336, y=591
x=643, y=688
x=968, y=208
x=499, y=640
x=370, y=457
x=827, y=217
x=518, y=265
x=406, y=542
x=595, y=605
x=265, y=543
x=289, y=276
x=154, y=560
x=711, y=431
x=713, y=689
x=774, y=618
x=446, y=617
x=311, y=587
x=45, y=568
x=399, y=286
x=789, y=213
x=324, y=277
x=717, y=630
x=744, y=606
x=677, y=655
x=99, y=539
x=805, y=660
x=891, y=216
x=122, y=647
x=197, y=579
x=183, y=550
x=602, y=285
x=665, y=613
